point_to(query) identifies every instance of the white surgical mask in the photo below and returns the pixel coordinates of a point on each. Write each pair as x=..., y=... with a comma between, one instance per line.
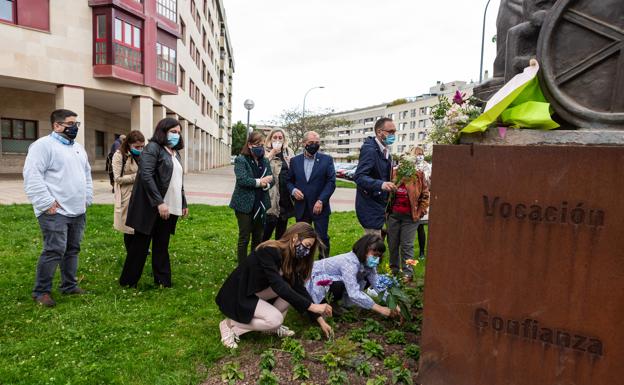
x=277, y=144
x=420, y=158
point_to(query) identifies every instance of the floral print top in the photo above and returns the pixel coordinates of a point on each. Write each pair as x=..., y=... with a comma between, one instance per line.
x=348, y=269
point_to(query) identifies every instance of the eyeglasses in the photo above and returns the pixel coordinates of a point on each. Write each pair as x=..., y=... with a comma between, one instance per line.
x=69, y=124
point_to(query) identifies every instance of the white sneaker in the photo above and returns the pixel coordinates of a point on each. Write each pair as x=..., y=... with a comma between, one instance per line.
x=229, y=339
x=284, y=331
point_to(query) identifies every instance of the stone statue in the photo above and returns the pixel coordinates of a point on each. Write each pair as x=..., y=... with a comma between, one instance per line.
x=517, y=27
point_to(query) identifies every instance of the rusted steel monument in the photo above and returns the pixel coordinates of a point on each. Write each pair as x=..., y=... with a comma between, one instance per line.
x=525, y=271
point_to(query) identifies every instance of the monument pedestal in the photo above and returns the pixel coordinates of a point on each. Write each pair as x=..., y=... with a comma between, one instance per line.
x=525, y=270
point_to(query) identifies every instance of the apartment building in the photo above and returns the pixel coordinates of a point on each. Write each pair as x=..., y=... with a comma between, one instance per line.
x=121, y=65
x=412, y=117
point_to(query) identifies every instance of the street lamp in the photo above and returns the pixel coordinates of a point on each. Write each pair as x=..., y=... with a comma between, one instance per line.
x=249, y=105
x=304, y=99
x=483, y=42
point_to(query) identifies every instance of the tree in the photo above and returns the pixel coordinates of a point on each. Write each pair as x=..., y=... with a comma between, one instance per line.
x=321, y=122
x=239, y=137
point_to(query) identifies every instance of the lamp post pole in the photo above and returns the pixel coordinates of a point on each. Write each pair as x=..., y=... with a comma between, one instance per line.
x=304, y=100
x=249, y=105
x=483, y=41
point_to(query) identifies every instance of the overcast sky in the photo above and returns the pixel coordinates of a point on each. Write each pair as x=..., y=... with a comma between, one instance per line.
x=364, y=52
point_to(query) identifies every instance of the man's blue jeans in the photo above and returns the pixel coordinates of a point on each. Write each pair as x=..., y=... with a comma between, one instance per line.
x=61, y=245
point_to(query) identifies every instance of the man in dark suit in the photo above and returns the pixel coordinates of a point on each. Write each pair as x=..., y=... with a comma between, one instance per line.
x=312, y=181
x=373, y=177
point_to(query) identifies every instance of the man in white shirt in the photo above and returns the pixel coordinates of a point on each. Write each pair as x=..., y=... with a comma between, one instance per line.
x=57, y=180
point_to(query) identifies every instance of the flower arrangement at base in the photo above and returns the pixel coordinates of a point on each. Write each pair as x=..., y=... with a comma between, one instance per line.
x=449, y=117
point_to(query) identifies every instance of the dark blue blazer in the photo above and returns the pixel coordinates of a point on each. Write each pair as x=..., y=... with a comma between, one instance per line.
x=321, y=185
x=372, y=170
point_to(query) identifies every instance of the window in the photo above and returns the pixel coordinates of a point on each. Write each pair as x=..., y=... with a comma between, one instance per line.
x=412, y=124
x=203, y=72
x=402, y=126
x=203, y=104
x=403, y=115
x=422, y=123
x=391, y=116
x=192, y=49
x=413, y=113
x=100, y=39
x=165, y=63
x=7, y=10
x=192, y=89
x=18, y=134
x=197, y=58
x=99, y=144
x=204, y=39
x=422, y=135
x=197, y=94
x=183, y=31
x=412, y=136
x=182, y=78
x=206, y=12
x=168, y=8
x=127, y=46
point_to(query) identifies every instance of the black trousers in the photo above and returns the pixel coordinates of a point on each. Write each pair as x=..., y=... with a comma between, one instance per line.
x=274, y=223
x=422, y=239
x=138, y=247
x=321, y=226
x=248, y=228
x=337, y=290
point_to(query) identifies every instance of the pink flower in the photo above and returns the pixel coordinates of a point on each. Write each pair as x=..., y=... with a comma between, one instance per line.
x=324, y=282
x=411, y=262
x=459, y=98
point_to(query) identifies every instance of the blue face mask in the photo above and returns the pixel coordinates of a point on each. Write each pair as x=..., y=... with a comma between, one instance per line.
x=136, y=152
x=173, y=139
x=389, y=139
x=372, y=261
x=258, y=151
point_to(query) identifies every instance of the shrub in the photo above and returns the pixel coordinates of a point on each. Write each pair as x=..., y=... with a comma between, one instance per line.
x=313, y=334
x=401, y=375
x=372, y=349
x=300, y=372
x=330, y=361
x=364, y=369
x=342, y=348
x=267, y=360
x=231, y=373
x=394, y=361
x=337, y=377
x=395, y=337
x=413, y=351
x=267, y=378
x=295, y=349
x=378, y=380
x=358, y=335
x=372, y=326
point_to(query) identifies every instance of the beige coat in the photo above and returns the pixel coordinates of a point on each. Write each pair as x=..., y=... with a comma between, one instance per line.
x=274, y=193
x=123, y=190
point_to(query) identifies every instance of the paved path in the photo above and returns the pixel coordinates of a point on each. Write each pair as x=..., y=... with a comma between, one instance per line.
x=213, y=187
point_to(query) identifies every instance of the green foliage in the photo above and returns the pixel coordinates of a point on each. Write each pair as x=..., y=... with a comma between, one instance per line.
x=337, y=377
x=300, y=372
x=239, y=137
x=397, y=297
x=395, y=337
x=295, y=349
x=364, y=369
x=293, y=124
x=349, y=317
x=267, y=360
x=167, y=325
x=378, y=380
x=372, y=326
x=231, y=373
x=401, y=375
x=373, y=349
x=342, y=348
x=345, y=183
x=358, y=335
x=394, y=361
x=330, y=361
x=267, y=378
x=398, y=102
x=313, y=334
x=412, y=351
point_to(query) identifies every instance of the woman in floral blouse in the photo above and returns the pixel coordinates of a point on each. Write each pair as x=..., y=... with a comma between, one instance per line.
x=346, y=276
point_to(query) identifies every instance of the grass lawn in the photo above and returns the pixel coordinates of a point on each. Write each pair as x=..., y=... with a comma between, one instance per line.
x=345, y=183
x=124, y=336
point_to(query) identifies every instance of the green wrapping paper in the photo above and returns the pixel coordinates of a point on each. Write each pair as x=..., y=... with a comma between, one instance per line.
x=519, y=104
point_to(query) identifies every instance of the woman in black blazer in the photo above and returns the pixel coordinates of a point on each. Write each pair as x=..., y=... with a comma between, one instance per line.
x=156, y=203
x=256, y=296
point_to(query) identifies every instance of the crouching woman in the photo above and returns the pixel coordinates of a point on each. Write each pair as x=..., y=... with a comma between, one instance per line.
x=256, y=296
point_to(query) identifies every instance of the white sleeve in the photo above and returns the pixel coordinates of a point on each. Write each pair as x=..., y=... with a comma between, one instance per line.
x=35, y=167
